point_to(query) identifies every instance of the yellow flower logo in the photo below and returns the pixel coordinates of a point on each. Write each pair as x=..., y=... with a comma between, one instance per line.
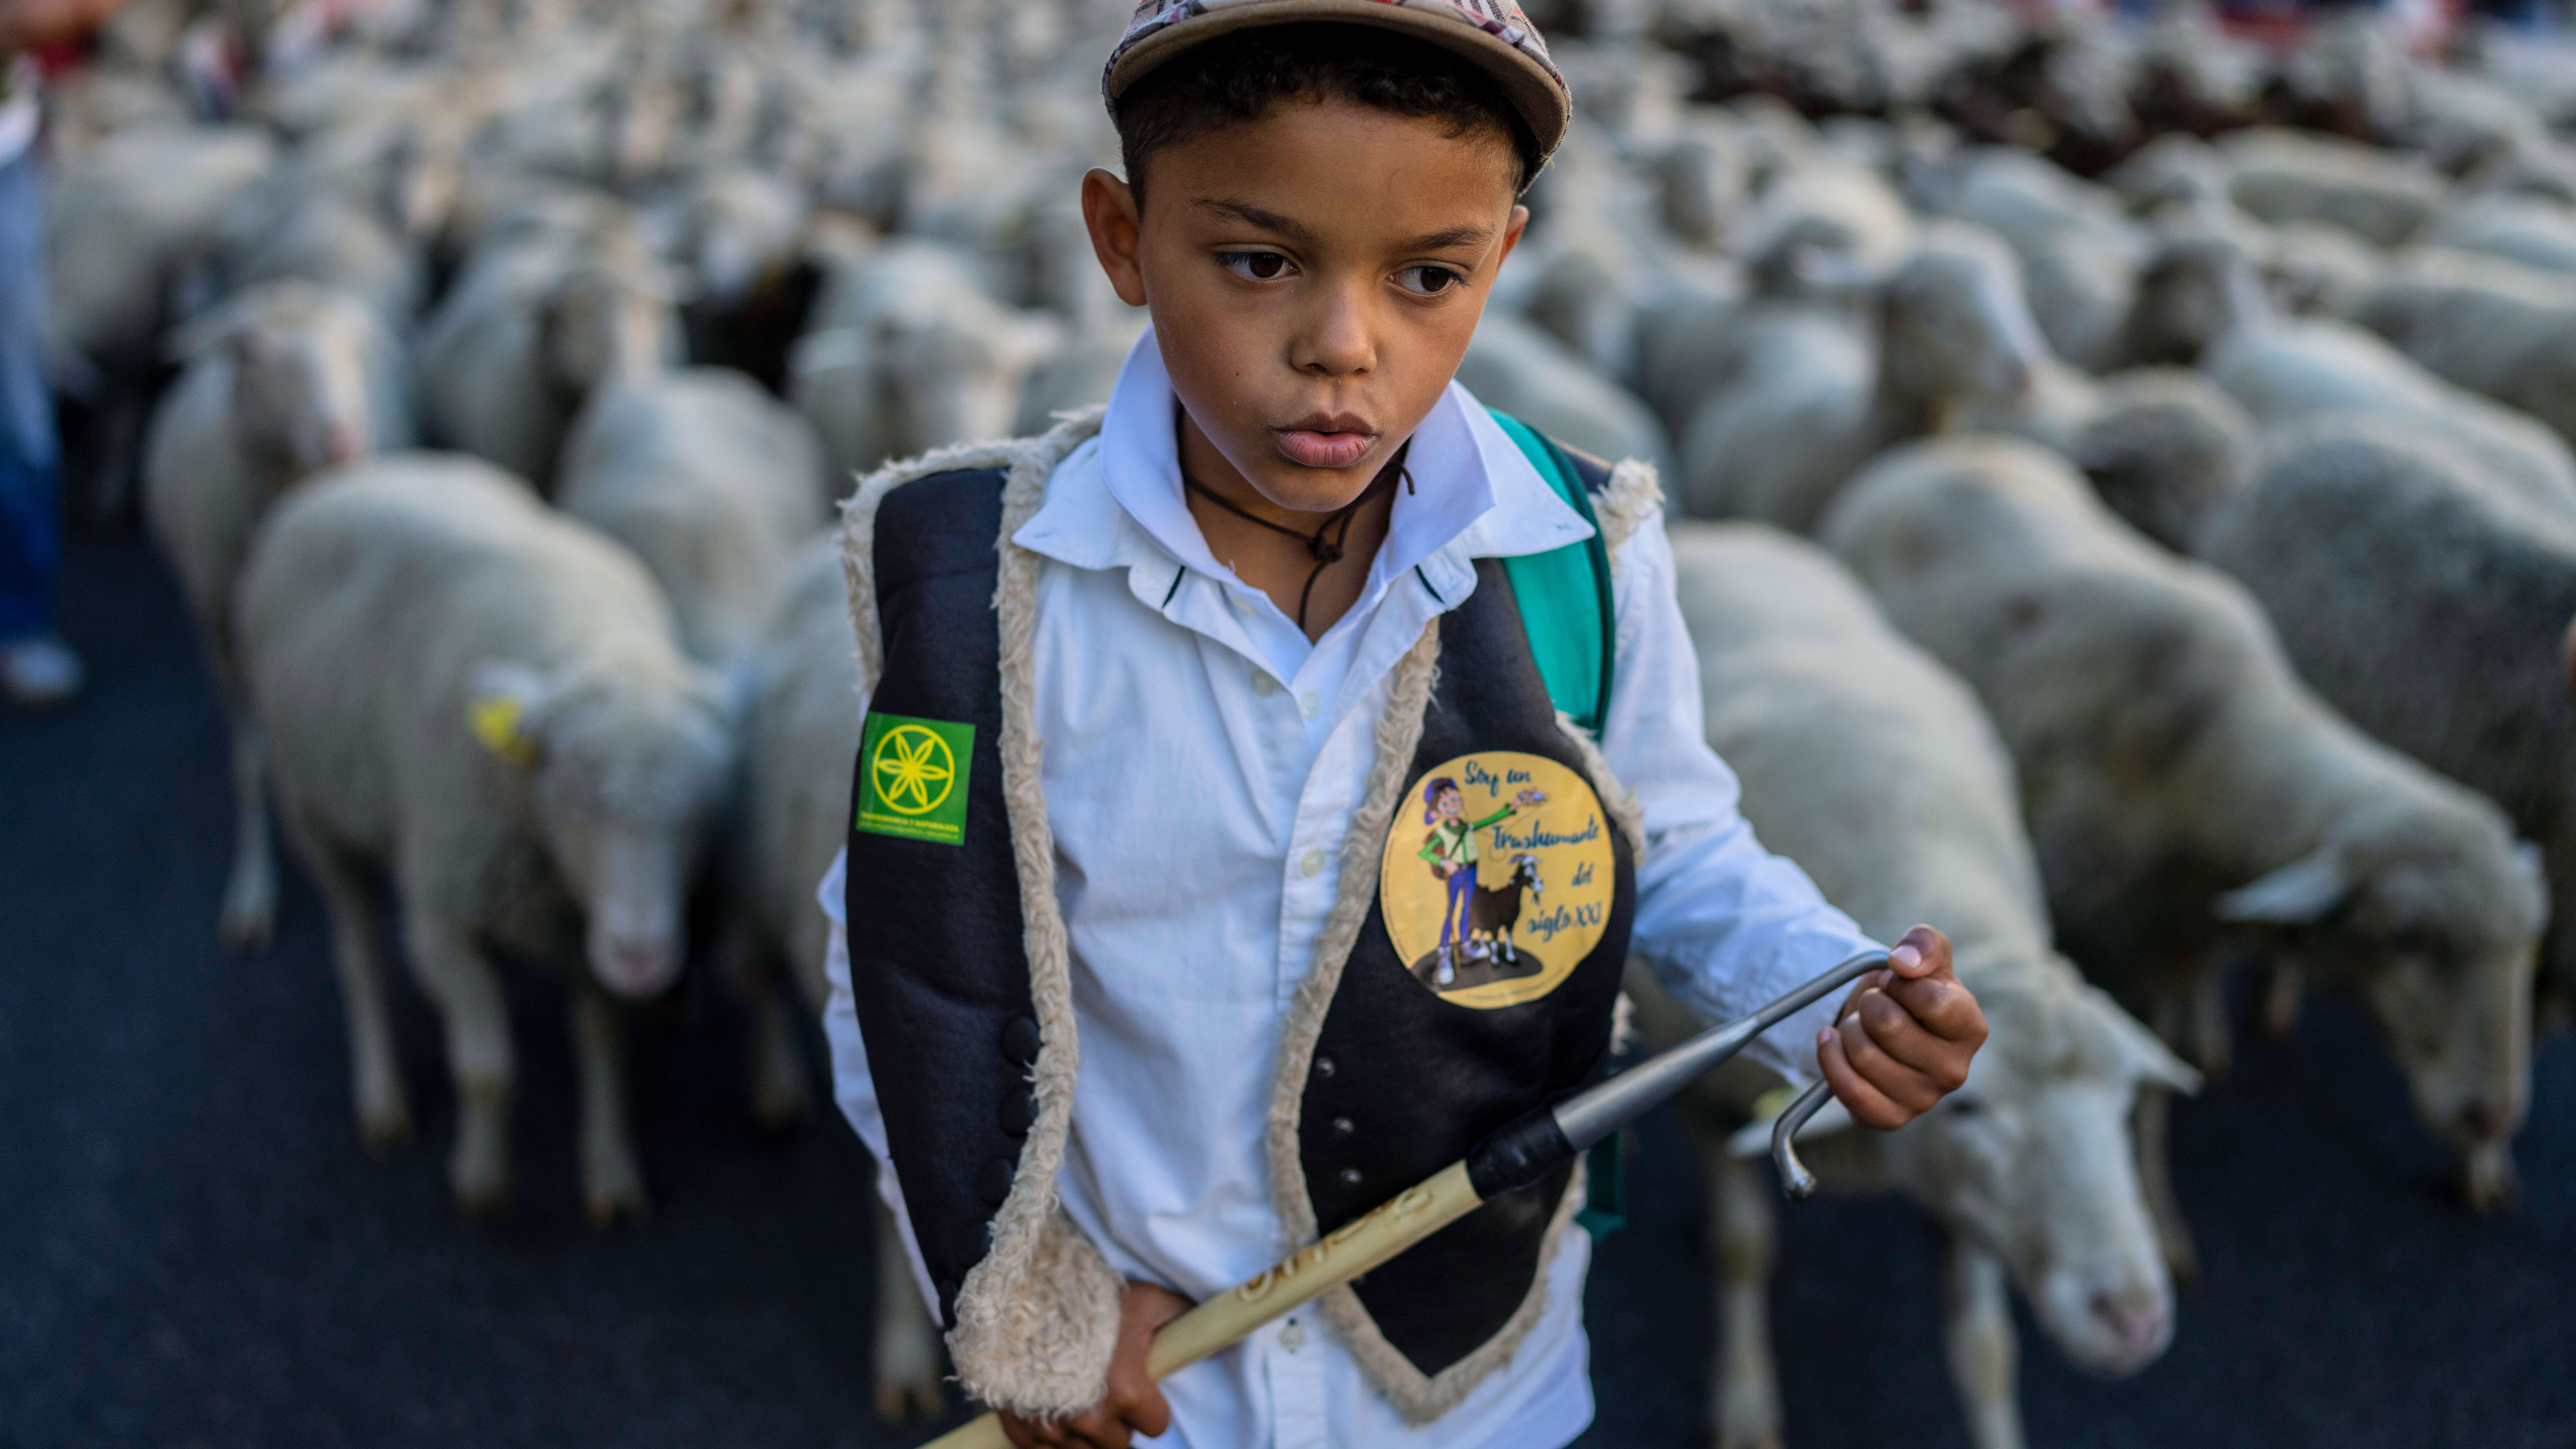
x=913, y=769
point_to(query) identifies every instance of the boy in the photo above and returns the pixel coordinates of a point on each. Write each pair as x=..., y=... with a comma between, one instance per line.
x=1125, y=1001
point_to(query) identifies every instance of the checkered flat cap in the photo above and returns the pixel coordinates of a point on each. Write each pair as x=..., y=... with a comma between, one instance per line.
x=1492, y=33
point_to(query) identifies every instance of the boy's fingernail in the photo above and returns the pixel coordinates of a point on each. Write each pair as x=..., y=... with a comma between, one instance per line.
x=1906, y=956
x=1823, y=1037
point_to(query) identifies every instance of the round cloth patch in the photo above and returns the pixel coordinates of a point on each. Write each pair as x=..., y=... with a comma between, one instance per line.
x=1497, y=877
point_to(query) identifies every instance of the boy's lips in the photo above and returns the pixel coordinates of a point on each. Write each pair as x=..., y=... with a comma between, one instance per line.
x=1321, y=441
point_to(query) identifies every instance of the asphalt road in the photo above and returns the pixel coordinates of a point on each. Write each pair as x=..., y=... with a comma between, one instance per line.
x=195, y=1250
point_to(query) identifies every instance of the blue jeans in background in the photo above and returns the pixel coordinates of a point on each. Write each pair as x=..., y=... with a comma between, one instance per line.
x=30, y=462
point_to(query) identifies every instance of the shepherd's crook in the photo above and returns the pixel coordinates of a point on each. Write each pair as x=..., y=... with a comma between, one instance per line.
x=1520, y=1154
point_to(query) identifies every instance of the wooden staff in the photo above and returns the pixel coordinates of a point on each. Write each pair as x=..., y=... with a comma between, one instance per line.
x=1520, y=1154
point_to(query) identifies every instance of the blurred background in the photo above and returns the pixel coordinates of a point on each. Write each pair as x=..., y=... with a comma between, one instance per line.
x=2173, y=402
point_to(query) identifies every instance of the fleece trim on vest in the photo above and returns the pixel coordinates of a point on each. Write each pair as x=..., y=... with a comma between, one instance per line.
x=1036, y=1315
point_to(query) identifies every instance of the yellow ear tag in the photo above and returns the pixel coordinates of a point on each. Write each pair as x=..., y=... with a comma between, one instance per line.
x=494, y=719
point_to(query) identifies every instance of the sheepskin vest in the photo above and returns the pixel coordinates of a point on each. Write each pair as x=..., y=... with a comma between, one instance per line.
x=1447, y=998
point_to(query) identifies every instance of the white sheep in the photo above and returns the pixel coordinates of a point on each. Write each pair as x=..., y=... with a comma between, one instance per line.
x=1512, y=365
x=1876, y=770
x=2380, y=196
x=2185, y=791
x=487, y=704
x=713, y=483
x=528, y=332
x=281, y=382
x=125, y=221
x=2079, y=255
x=905, y=353
x=1817, y=396
x=2535, y=231
x=2485, y=324
x=800, y=738
x=352, y=210
x=2426, y=599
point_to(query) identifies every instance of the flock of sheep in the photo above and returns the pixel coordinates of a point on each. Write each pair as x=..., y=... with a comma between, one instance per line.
x=2188, y=547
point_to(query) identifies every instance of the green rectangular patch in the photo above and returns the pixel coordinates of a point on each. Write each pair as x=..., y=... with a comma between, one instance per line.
x=912, y=778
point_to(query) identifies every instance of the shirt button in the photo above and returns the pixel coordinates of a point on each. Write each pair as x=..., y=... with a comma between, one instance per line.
x=1309, y=705
x=1293, y=1337
x=1350, y=1177
x=1312, y=865
x=1344, y=1126
x=1263, y=684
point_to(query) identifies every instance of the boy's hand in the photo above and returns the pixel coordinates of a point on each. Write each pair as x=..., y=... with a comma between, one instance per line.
x=1905, y=1037
x=1131, y=1405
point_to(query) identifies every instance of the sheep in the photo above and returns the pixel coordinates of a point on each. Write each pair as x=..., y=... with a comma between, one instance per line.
x=488, y=704
x=2186, y=792
x=905, y=354
x=125, y=221
x=2484, y=324
x=531, y=330
x=1512, y=365
x=351, y=211
x=2079, y=255
x=2379, y=196
x=711, y=482
x=1819, y=399
x=1875, y=768
x=2537, y=233
x=282, y=382
x=800, y=736
x=2288, y=369
x=2426, y=600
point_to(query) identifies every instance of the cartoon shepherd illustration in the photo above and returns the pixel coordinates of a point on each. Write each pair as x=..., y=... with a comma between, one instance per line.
x=1451, y=848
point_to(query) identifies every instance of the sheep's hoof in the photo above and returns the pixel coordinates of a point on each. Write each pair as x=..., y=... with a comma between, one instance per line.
x=385, y=1127
x=484, y=1202
x=918, y=1396
x=2490, y=1182
x=248, y=925
x=780, y=1106
x=609, y=1207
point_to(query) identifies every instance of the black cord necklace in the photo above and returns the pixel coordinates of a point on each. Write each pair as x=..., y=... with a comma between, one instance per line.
x=1325, y=551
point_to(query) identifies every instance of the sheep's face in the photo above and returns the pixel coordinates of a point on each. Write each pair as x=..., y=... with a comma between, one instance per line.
x=2195, y=292
x=959, y=382
x=603, y=321
x=2434, y=921
x=2033, y=1162
x=627, y=795
x=1956, y=325
x=300, y=394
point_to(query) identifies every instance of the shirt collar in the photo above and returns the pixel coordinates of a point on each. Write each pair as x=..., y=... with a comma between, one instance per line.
x=1475, y=495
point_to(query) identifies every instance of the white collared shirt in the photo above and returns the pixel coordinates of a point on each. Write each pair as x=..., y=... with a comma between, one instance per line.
x=1202, y=763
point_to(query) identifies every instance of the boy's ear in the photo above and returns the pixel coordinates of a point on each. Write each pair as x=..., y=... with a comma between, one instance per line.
x=1512, y=230
x=1117, y=231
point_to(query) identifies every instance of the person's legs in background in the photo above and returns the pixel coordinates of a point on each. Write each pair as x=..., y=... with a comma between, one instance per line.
x=36, y=667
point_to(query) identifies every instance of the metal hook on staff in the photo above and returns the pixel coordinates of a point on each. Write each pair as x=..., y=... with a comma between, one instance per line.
x=1521, y=1153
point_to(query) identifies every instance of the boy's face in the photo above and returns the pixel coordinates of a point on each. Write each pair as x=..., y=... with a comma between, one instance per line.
x=1314, y=277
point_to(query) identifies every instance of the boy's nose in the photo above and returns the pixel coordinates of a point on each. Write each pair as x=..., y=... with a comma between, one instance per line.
x=1337, y=342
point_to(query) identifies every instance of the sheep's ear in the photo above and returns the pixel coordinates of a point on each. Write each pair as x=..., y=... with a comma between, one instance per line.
x=2298, y=894
x=1031, y=339
x=2527, y=862
x=507, y=709
x=2147, y=1058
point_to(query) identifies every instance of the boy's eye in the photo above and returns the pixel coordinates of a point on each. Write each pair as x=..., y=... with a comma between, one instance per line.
x=1427, y=281
x=1254, y=266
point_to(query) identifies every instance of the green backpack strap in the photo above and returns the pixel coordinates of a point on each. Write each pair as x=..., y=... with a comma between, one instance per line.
x=1565, y=592
x=1572, y=624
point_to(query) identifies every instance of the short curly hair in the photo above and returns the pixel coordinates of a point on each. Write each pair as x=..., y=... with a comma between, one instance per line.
x=1239, y=77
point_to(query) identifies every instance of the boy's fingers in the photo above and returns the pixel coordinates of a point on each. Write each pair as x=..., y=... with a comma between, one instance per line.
x=1899, y=1082
x=1896, y=1028
x=1867, y=1105
x=1944, y=1008
x=1150, y=1414
x=1919, y=953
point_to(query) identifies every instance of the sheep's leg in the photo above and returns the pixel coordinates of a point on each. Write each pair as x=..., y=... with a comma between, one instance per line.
x=1984, y=1353
x=479, y=1057
x=612, y=1186
x=779, y=1096
x=2210, y=1035
x=2155, y=1179
x=357, y=953
x=909, y=1362
x=1741, y=1232
x=249, y=918
x=2283, y=985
